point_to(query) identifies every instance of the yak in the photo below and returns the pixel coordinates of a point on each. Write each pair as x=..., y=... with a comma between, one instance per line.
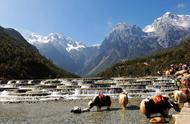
x=99, y=101
x=123, y=99
x=158, y=104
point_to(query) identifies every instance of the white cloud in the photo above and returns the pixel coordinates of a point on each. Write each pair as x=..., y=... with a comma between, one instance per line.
x=109, y=23
x=180, y=5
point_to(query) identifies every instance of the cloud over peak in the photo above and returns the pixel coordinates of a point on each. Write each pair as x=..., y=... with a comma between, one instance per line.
x=180, y=5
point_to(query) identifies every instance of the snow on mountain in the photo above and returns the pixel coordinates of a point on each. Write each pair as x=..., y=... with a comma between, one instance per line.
x=170, y=29
x=74, y=46
x=58, y=40
x=64, y=51
x=169, y=19
x=149, y=28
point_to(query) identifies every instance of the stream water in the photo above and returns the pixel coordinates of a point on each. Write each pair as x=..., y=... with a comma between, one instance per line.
x=58, y=112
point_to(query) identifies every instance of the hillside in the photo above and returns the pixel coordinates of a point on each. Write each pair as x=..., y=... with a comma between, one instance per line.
x=150, y=65
x=20, y=60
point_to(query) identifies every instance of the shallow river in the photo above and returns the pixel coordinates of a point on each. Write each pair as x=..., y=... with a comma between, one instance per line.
x=59, y=113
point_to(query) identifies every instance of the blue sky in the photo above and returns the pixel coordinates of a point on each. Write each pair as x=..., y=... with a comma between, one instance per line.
x=84, y=20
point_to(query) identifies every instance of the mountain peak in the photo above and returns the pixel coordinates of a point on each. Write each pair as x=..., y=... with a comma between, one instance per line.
x=121, y=26
x=168, y=14
x=124, y=30
x=56, y=40
x=167, y=20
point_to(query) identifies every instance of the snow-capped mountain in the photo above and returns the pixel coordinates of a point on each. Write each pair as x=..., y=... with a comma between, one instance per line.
x=63, y=51
x=56, y=39
x=168, y=19
x=123, y=42
x=128, y=42
x=170, y=29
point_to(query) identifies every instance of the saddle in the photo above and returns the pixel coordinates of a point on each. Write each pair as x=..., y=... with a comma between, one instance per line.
x=158, y=99
x=102, y=97
x=185, y=91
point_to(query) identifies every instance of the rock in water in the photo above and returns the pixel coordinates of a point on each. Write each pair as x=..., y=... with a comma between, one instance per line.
x=86, y=110
x=76, y=109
